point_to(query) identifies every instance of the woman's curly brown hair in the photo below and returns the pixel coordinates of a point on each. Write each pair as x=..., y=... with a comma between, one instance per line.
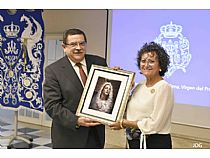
x=162, y=56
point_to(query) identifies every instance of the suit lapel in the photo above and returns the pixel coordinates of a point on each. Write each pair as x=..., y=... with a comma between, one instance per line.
x=70, y=73
x=89, y=62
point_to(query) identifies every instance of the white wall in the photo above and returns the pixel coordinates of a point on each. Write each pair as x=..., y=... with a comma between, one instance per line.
x=92, y=22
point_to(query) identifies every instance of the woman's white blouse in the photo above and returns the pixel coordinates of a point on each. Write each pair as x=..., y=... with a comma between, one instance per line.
x=152, y=107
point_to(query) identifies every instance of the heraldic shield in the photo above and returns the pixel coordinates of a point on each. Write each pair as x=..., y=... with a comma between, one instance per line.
x=177, y=46
x=21, y=58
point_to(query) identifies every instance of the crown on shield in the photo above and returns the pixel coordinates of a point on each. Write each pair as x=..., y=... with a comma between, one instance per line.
x=11, y=30
x=171, y=30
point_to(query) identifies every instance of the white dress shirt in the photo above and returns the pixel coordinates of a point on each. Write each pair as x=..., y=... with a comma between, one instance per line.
x=76, y=68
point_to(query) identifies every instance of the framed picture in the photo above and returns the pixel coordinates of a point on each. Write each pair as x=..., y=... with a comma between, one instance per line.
x=105, y=94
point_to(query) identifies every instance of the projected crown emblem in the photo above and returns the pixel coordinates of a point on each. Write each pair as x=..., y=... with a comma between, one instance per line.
x=171, y=30
x=176, y=45
x=11, y=30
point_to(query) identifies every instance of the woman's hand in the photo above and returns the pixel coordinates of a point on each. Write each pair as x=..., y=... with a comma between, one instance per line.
x=123, y=124
x=115, y=126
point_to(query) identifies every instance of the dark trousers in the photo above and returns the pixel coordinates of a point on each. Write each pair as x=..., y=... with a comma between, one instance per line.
x=93, y=140
x=153, y=141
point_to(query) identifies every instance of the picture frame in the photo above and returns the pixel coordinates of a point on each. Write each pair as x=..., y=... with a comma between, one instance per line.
x=105, y=94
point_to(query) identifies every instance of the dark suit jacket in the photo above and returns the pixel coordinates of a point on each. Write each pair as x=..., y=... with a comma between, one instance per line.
x=62, y=92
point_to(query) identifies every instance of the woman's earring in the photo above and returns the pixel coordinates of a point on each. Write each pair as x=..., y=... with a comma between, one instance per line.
x=160, y=70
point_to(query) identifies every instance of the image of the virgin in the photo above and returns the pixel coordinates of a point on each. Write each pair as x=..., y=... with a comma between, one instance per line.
x=102, y=99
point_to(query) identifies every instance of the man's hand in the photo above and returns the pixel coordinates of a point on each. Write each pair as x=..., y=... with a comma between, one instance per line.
x=87, y=122
x=116, y=68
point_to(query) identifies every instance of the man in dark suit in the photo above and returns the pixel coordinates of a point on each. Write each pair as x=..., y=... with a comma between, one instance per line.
x=63, y=88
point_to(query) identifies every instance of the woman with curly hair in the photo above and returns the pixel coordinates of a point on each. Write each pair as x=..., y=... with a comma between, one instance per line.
x=149, y=110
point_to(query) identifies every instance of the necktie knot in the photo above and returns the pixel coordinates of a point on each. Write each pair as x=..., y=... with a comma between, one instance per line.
x=82, y=73
x=79, y=65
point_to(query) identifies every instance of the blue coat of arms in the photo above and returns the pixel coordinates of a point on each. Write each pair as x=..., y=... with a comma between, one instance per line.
x=21, y=59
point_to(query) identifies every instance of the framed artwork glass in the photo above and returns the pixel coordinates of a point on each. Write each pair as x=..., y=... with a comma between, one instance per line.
x=105, y=94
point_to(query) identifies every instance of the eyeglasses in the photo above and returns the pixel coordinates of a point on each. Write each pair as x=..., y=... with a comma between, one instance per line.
x=75, y=44
x=148, y=61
